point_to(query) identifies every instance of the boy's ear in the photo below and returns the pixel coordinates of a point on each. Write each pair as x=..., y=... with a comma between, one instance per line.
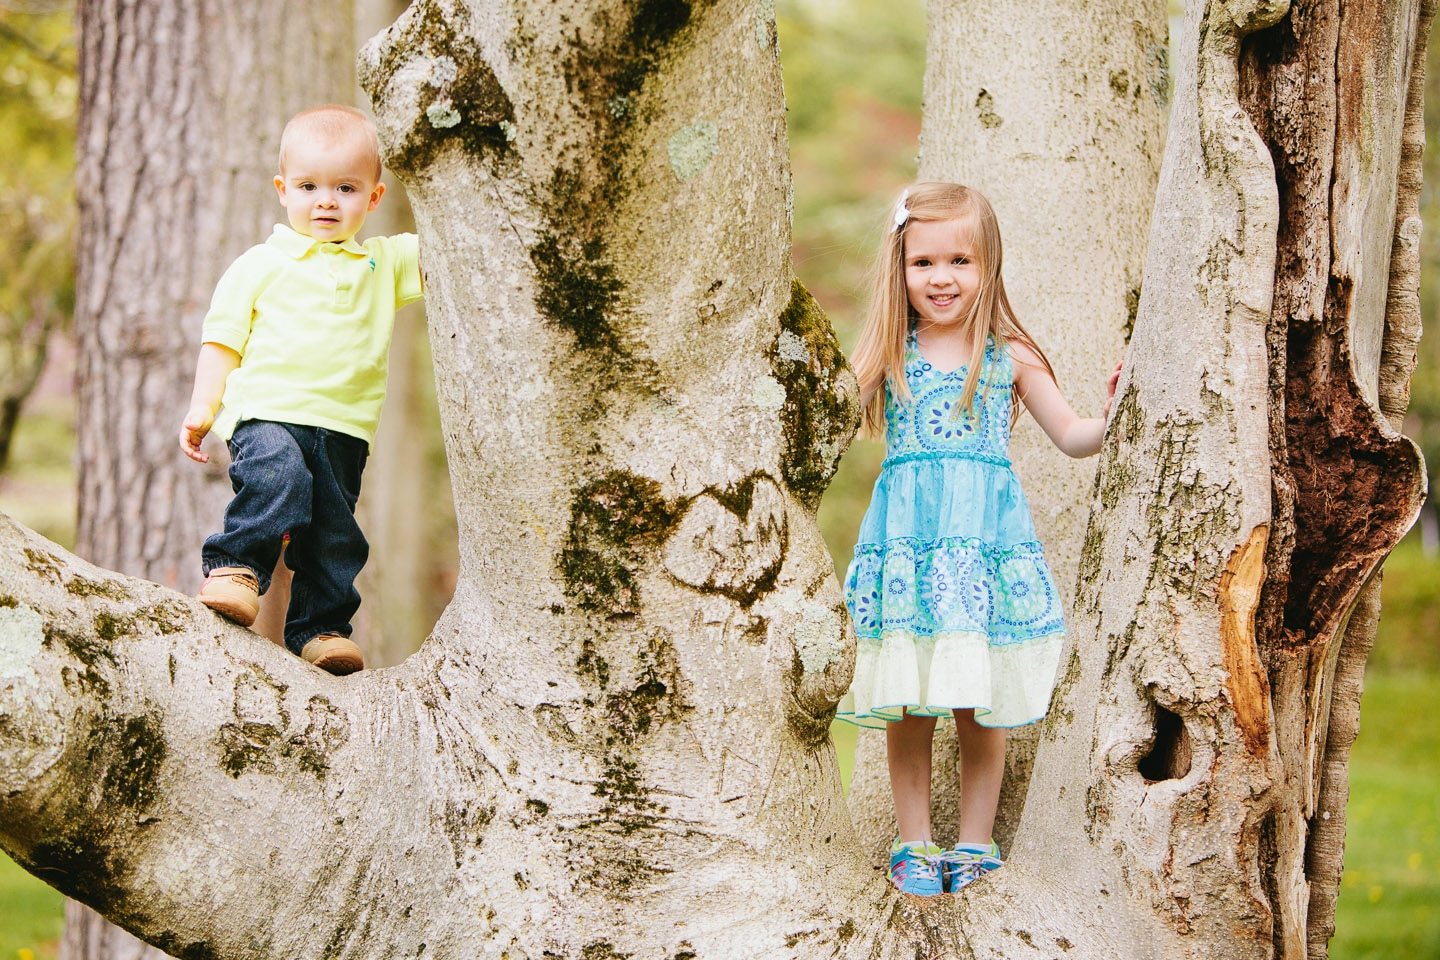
x=375, y=196
x=280, y=187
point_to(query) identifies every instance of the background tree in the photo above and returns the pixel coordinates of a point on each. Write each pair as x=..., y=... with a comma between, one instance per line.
x=653, y=804
x=181, y=105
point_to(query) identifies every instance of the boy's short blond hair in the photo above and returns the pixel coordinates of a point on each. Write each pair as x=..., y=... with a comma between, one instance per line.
x=332, y=123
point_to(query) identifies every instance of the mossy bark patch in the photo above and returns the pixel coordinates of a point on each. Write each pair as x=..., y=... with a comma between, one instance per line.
x=819, y=418
x=181, y=949
x=579, y=286
x=109, y=589
x=111, y=785
x=578, y=289
x=653, y=697
x=268, y=745
x=614, y=523
x=460, y=99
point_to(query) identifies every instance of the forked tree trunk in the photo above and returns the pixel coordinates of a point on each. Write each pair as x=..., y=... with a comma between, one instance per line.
x=614, y=744
x=181, y=107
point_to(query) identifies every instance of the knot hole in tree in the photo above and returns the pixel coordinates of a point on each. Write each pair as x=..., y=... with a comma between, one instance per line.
x=1169, y=756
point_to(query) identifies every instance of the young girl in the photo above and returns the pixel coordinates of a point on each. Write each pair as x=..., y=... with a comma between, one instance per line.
x=954, y=607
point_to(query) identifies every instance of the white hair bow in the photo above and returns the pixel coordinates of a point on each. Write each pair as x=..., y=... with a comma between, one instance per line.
x=902, y=212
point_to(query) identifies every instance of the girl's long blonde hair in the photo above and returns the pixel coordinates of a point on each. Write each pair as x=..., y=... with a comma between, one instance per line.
x=880, y=354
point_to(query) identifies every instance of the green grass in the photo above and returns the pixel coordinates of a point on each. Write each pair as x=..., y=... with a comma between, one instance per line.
x=31, y=915
x=1390, y=895
x=1409, y=636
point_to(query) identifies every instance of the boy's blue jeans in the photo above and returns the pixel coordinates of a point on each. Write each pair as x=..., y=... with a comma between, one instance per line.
x=303, y=481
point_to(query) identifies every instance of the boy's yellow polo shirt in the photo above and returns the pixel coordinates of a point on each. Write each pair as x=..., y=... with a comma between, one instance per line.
x=311, y=322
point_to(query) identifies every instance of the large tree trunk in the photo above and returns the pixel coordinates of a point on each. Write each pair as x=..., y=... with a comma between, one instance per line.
x=1054, y=111
x=180, y=112
x=1248, y=493
x=411, y=530
x=614, y=743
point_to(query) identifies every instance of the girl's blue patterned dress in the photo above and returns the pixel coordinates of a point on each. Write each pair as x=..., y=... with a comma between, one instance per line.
x=953, y=603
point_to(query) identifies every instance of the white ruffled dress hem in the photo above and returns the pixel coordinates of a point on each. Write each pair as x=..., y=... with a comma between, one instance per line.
x=1008, y=685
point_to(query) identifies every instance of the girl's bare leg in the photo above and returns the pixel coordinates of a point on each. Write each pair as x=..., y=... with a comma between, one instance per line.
x=982, y=767
x=907, y=748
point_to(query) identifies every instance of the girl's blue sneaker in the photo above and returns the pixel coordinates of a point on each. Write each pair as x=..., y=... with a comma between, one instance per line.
x=967, y=863
x=915, y=868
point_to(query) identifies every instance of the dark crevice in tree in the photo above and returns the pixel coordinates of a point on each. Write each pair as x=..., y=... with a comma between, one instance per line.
x=1169, y=754
x=1336, y=472
x=1268, y=855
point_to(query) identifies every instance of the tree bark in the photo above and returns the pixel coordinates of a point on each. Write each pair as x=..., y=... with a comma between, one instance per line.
x=615, y=741
x=1055, y=112
x=406, y=509
x=181, y=109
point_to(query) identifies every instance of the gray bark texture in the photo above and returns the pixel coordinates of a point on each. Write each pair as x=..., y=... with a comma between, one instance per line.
x=181, y=108
x=614, y=743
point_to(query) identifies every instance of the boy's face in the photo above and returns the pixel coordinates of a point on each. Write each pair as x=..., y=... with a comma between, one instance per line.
x=328, y=188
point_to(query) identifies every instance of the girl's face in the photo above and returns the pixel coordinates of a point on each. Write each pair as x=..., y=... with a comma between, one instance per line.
x=941, y=273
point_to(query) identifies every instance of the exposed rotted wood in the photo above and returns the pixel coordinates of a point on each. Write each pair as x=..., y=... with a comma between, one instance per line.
x=1345, y=483
x=1325, y=853
x=1239, y=596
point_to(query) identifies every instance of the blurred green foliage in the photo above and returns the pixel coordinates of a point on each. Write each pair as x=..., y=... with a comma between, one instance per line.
x=853, y=78
x=37, y=219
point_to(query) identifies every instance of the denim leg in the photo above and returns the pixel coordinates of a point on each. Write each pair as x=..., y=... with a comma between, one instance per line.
x=327, y=556
x=272, y=496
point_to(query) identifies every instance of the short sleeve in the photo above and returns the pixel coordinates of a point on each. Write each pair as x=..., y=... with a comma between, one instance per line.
x=402, y=251
x=232, y=308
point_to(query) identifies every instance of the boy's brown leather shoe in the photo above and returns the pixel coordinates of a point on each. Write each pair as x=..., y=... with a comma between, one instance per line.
x=333, y=653
x=232, y=592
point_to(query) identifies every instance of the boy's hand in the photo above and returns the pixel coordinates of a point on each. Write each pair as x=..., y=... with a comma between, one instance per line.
x=197, y=424
x=1110, y=390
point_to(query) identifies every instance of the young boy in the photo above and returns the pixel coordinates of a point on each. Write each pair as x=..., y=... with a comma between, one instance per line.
x=292, y=375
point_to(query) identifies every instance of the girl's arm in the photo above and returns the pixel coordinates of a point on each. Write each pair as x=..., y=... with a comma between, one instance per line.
x=215, y=365
x=1076, y=436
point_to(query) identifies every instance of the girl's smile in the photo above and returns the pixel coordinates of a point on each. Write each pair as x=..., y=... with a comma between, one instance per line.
x=941, y=275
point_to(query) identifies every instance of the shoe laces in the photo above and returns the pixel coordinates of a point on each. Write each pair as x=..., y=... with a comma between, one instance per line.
x=245, y=578
x=925, y=866
x=964, y=867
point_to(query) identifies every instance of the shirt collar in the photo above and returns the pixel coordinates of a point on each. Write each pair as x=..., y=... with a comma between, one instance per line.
x=297, y=245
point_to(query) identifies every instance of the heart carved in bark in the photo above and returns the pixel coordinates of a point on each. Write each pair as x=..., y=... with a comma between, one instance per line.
x=731, y=543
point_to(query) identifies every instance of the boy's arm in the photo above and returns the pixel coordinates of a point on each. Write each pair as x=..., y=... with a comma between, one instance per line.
x=215, y=365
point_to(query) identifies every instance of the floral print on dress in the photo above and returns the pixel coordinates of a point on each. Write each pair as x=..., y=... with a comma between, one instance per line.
x=933, y=421
x=924, y=589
